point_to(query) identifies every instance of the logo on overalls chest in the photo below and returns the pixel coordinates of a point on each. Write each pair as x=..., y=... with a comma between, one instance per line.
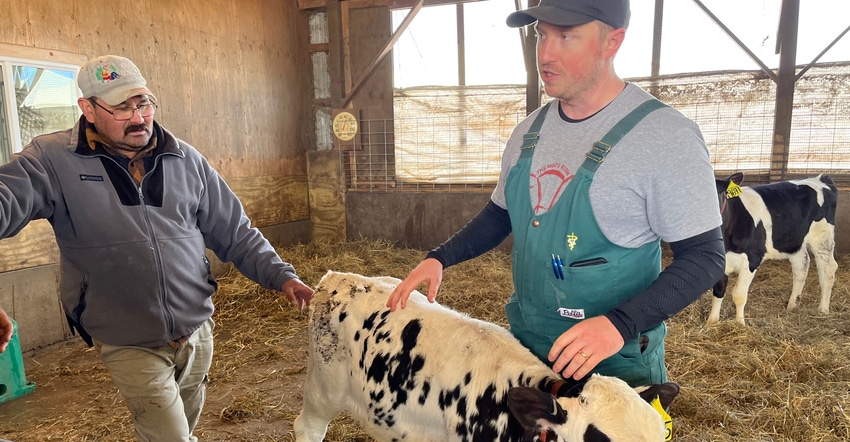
x=572, y=239
x=547, y=185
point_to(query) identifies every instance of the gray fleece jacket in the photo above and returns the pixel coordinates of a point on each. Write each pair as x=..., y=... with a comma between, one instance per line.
x=132, y=258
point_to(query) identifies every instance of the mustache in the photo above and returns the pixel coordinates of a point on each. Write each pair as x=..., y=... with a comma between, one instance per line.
x=135, y=127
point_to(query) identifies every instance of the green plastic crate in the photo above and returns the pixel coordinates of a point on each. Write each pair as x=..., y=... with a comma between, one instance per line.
x=13, y=380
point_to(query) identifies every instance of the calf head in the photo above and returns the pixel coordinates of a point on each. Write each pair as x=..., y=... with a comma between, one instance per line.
x=605, y=410
x=727, y=188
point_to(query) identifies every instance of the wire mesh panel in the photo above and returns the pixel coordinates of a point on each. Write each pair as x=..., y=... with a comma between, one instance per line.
x=442, y=138
x=451, y=138
x=734, y=113
x=372, y=165
x=820, y=135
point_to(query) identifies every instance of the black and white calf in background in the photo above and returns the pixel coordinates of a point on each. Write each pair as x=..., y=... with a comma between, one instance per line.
x=428, y=373
x=784, y=220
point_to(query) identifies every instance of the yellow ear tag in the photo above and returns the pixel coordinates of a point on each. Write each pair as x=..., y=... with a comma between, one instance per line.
x=668, y=421
x=733, y=190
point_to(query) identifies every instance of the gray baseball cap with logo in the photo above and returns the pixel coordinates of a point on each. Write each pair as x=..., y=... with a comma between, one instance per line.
x=573, y=13
x=113, y=79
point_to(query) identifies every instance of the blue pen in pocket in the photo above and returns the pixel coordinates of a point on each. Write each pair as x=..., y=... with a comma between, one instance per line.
x=557, y=267
x=560, y=266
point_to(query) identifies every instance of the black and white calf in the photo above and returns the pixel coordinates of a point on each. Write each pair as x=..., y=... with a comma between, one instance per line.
x=428, y=373
x=784, y=220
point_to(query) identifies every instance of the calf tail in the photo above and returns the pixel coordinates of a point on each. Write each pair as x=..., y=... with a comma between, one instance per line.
x=830, y=199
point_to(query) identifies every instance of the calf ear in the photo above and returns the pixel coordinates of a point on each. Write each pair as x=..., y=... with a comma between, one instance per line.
x=535, y=409
x=664, y=392
x=737, y=178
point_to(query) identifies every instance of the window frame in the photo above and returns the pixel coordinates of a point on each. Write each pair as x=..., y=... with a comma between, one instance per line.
x=14, y=55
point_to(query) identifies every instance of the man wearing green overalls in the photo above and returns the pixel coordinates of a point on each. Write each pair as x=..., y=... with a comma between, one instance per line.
x=590, y=185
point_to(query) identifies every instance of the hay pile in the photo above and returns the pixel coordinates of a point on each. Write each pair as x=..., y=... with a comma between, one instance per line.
x=783, y=377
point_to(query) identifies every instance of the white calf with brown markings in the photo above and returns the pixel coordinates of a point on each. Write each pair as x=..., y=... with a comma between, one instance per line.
x=428, y=373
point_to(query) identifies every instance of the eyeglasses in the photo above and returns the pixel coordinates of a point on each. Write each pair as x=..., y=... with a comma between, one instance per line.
x=126, y=113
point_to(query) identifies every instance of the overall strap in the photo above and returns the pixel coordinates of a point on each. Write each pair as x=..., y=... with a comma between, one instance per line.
x=529, y=140
x=601, y=148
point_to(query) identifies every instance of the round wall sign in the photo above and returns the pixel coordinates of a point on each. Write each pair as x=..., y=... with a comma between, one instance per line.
x=345, y=126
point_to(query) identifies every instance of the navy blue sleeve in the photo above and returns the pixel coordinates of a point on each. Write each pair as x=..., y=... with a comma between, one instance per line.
x=698, y=262
x=483, y=233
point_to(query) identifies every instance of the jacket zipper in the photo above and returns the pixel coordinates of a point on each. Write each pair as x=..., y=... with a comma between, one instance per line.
x=169, y=318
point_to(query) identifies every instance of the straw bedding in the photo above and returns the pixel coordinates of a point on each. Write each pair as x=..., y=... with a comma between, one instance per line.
x=783, y=377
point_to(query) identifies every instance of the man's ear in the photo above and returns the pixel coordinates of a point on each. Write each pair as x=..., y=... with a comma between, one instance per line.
x=615, y=40
x=87, y=108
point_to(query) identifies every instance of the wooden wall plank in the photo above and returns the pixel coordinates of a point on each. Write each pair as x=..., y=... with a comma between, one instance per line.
x=33, y=246
x=272, y=200
x=327, y=200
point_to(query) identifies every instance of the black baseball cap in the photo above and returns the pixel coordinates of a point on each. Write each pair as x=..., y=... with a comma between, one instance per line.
x=573, y=13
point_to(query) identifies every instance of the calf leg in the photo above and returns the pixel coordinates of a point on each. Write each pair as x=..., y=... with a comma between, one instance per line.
x=312, y=424
x=799, y=269
x=324, y=396
x=739, y=293
x=826, y=273
x=719, y=291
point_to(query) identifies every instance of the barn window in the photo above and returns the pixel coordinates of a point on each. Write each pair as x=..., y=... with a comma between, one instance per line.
x=458, y=93
x=36, y=97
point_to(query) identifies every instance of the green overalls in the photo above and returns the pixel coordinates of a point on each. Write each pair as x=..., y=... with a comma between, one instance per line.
x=544, y=304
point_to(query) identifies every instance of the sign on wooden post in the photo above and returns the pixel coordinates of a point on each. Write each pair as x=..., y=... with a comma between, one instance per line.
x=346, y=129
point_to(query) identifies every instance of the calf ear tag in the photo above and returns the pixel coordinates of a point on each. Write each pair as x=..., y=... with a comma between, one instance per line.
x=668, y=421
x=733, y=190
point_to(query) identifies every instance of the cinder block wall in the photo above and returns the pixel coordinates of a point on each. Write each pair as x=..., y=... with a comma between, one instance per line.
x=424, y=220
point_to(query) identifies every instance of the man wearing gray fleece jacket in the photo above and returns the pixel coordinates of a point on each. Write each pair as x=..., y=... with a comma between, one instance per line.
x=134, y=209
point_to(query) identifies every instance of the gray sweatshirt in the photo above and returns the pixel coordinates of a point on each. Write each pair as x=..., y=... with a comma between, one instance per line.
x=132, y=258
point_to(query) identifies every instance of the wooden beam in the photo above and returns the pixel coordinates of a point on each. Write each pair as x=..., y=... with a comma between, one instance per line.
x=386, y=50
x=529, y=56
x=655, y=63
x=320, y=47
x=786, y=46
x=738, y=41
x=391, y=4
x=50, y=55
x=335, y=52
x=461, y=47
x=407, y=4
x=827, y=48
x=311, y=4
x=346, y=48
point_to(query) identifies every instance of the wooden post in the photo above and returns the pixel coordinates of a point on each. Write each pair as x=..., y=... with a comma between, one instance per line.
x=324, y=174
x=786, y=46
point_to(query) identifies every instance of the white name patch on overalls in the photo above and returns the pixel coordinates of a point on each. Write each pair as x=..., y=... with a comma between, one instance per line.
x=574, y=313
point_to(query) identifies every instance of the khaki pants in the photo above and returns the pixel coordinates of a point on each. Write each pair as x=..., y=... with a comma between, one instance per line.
x=164, y=387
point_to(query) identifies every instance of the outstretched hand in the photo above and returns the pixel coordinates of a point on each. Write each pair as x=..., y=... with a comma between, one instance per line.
x=581, y=348
x=428, y=272
x=297, y=293
x=5, y=330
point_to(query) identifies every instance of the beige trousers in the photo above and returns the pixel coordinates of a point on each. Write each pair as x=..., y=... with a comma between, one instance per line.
x=164, y=387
